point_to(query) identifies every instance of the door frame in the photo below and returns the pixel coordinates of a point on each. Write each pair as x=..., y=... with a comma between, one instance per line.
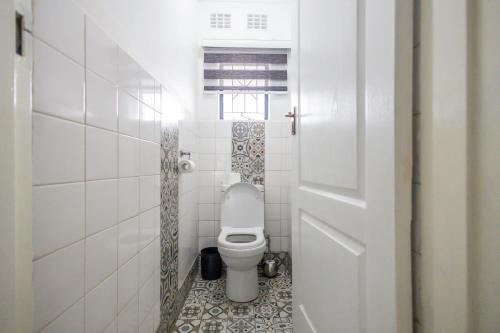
x=16, y=292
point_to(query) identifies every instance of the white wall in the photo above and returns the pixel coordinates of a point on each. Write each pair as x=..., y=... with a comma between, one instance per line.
x=278, y=33
x=96, y=182
x=188, y=199
x=160, y=34
x=215, y=135
x=215, y=164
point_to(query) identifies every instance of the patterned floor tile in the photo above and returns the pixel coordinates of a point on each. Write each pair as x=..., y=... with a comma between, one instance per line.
x=187, y=326
x=215, y=311
x=213, y=326
x=208, y=310
x=241, y=326
x=191, y=311
x=241, y=310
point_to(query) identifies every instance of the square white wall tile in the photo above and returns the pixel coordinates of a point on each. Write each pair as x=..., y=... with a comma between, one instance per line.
x=50, y=16
x=273, y=178
x=150, y=158
x=204, y=242
x=58, y=150
x=58, y=282
x=72, y=320
x=223, y=145
x=101, y=154
x=147, y=88
x=206, y=178
x=128, y=197
x=206, y=129
x=206, y=212
x=158, y=88
x=207, y=145
x=100, y=257
x=275, y=244
x=157, y=129
x=146, y=264
x=128, y=74
x=128, y=239
x=273, y=129
x=147, y=192
x=129, y=154
x=112, y=328
x=272, y=211
x=128, y=114
x=100, y=102
x=223, y=162
x=128, y=318
x=206, y=162
x=206, y=229
x=272, y=194
x=147, y=122
x=273, y=145
x=147, y=325
x=128, y=282
x=58, y=84
x=100, y=305
x=101, y=52
x=284, y=244
x=157, y=218
x=146, y=228
x=157, y=190
x=206, y=194
x=146, y=299
x=58, y=216
x=272, y=162
x=223, y=129
x=273, y=228
x=101, y=205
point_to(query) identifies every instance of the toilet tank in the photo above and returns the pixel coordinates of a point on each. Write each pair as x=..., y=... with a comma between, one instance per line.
x=242, y=206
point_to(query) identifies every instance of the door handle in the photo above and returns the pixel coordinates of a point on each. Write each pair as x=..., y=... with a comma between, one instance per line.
x=293, y=119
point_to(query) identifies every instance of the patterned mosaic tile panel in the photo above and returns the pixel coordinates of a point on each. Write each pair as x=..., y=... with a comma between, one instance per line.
x=207, y=309
x=169, y=222
x=248, y=144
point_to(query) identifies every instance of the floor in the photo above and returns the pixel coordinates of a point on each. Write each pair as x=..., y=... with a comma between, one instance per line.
x=207, y=309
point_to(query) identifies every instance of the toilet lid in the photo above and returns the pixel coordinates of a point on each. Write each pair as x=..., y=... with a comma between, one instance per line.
x=242, y=206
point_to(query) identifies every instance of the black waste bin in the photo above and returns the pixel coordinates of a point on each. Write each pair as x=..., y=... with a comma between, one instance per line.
x=211, y=263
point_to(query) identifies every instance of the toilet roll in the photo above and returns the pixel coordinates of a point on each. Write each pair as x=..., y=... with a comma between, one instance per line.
x=187, y=166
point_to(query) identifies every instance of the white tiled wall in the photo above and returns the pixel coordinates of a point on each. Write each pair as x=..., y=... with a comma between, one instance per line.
x=96, y=165
x=215, y=164
x=188, y=200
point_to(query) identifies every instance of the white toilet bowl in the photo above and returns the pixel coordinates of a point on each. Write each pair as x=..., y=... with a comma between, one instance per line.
x=241, y=240
x=242, y=249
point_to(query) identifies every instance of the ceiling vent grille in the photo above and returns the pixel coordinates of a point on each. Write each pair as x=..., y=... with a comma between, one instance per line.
x=220, y=21
x=257, y=21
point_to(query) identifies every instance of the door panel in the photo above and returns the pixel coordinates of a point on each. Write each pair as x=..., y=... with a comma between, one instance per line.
x=329, y=87
x=347, y=225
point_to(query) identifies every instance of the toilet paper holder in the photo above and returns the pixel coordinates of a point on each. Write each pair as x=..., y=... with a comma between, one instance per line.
x=185, y=153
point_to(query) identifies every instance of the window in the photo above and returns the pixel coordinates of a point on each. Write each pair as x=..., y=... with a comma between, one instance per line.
x=243, y=105
x=244, y=79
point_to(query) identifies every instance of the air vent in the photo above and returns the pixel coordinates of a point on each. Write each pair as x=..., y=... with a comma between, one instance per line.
x=257, y=21
x=220, y=21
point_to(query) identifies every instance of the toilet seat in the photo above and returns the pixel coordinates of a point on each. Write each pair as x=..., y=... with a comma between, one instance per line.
x=225, y=241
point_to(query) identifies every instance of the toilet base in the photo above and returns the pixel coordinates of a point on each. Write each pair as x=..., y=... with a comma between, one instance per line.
x=242, y=285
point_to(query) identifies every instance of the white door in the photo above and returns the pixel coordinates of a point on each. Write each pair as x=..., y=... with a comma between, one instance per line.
x=351, y=198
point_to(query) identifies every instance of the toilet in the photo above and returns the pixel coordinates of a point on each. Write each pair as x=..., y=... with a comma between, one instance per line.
x=241, y=240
